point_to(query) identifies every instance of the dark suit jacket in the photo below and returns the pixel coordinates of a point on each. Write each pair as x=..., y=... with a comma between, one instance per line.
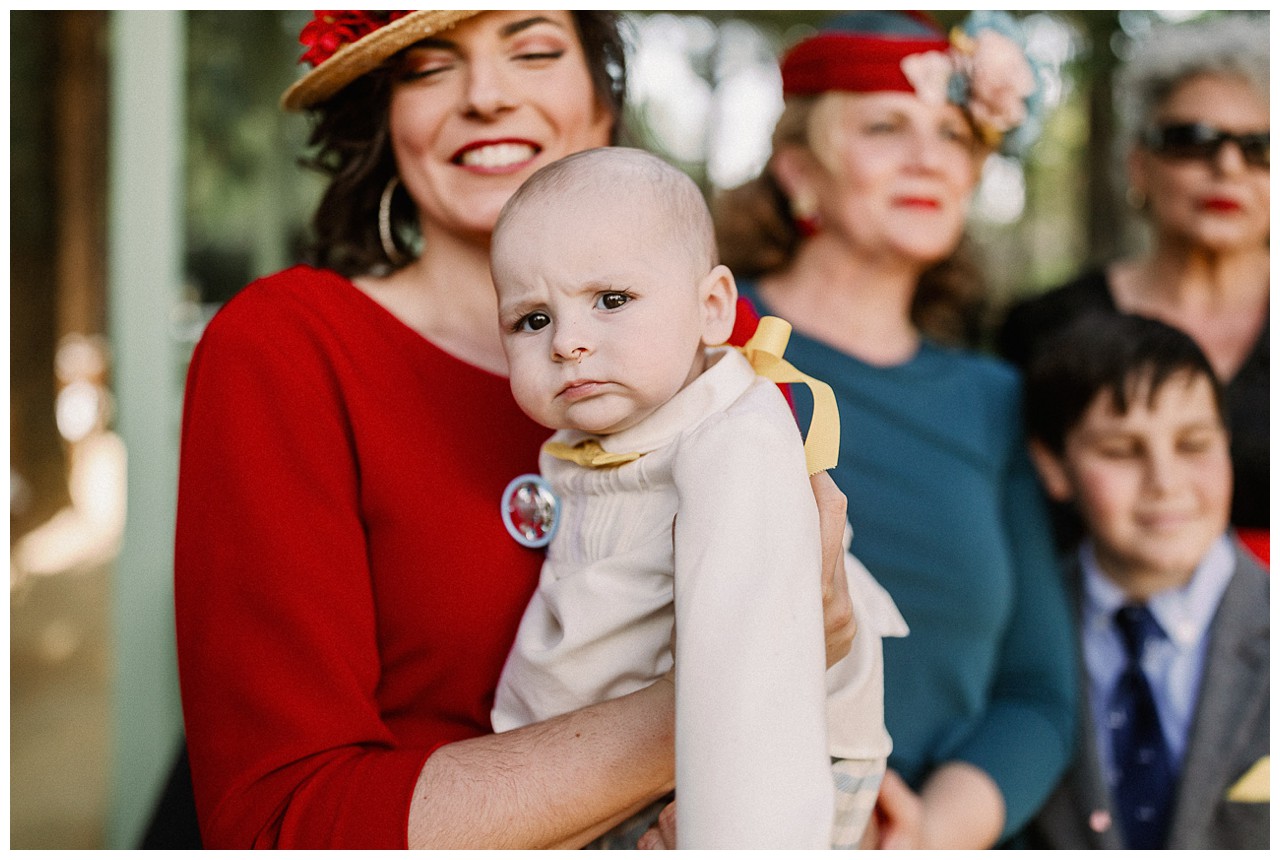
x=1229, y=733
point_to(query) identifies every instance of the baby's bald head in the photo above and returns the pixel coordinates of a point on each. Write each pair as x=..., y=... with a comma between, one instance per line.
x=639, y=187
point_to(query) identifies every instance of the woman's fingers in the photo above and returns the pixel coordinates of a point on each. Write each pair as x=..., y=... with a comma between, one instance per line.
x=661, y=835
x=837, y=608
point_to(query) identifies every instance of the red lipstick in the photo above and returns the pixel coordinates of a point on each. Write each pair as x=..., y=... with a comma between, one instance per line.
x=499, y=156
x=1225, y=205
x=931, y=203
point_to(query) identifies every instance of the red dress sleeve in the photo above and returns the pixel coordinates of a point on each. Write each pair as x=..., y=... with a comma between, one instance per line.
x=328, y=637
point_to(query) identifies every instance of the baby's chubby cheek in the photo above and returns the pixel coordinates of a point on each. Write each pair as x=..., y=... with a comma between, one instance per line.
x=533, y=400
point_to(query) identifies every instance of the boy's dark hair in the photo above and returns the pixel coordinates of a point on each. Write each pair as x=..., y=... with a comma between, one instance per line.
x=1106, y=352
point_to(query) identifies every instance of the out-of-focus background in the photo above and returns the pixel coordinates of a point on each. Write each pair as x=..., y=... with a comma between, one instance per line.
x=152, y=175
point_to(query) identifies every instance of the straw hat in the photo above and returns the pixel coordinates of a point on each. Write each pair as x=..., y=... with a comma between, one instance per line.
x=345, y=45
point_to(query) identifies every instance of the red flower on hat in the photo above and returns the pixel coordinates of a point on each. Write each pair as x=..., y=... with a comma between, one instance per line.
x=329, y=31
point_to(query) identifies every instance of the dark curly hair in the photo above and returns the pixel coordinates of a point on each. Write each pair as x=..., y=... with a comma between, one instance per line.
x=757, y=234
x=351, y=137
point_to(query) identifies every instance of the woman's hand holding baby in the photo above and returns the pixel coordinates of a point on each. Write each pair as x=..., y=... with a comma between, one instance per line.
x=837, y=607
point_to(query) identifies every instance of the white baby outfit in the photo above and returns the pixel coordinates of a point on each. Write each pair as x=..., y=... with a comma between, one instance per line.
x=713, y=531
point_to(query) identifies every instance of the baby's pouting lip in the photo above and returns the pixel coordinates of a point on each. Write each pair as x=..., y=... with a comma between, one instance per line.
x=577, y=389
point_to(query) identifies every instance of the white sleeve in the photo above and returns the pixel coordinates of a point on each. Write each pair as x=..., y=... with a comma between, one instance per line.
x=752, y=769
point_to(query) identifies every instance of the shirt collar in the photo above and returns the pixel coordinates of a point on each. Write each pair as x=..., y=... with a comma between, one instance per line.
x=1184, y=614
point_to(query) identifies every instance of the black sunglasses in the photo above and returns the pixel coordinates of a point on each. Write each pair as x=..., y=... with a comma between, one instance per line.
x=1194, y=140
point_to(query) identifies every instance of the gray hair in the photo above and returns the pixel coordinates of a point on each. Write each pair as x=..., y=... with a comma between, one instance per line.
x=629, y=174
x=1235, y=44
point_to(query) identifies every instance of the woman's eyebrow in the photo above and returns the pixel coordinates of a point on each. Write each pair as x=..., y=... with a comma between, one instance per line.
x=509, y=30
x=524, y=24
x=434, y=42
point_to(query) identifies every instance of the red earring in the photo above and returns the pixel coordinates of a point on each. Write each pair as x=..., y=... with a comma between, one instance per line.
x=804, y=214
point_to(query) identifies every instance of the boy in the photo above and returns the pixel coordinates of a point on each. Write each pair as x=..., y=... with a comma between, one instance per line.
x=1126, y=420
x=610, y=299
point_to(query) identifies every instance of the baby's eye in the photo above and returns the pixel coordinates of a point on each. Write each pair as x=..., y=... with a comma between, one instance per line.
x=533, y=322
x=611, y=301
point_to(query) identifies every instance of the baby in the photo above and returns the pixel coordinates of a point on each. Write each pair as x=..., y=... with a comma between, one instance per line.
x=682, y=504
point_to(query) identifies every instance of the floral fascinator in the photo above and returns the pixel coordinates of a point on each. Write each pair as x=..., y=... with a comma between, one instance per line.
x=343, y=45
x=982, y=66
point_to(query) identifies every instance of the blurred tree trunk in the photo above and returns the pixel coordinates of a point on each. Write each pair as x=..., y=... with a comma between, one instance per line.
x=1104, y=191
x=81, y=172
x=57, y=195
x=36, y=458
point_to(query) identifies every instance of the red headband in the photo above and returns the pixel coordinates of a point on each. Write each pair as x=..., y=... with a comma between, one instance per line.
x=852, y=62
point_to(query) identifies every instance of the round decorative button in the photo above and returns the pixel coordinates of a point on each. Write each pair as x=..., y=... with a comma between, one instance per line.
x=530, y=510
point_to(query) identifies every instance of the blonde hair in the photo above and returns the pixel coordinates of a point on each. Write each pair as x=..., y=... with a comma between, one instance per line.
x=757, y=234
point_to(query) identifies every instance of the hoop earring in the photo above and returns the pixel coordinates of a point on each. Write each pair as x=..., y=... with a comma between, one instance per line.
x=394, y=255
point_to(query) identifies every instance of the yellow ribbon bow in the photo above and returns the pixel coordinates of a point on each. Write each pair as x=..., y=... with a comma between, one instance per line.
x=764, y=351
x=589, y=453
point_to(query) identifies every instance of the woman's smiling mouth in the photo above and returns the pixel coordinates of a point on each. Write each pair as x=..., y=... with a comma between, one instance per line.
x=498, y=156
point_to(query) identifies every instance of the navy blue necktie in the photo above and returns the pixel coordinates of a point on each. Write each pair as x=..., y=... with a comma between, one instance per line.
x=1144, y=776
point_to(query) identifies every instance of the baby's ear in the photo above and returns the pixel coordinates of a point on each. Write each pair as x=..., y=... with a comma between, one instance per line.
x=718, y=294
x=1053, y=472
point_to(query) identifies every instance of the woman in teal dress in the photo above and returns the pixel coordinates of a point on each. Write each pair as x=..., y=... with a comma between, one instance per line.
x=850, y=234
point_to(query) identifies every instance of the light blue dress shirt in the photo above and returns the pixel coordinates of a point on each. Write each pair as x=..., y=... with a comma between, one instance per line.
x=1174, y=665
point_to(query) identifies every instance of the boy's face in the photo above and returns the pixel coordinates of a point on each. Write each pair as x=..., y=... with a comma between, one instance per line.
x=604, y=314
x=1153, y=485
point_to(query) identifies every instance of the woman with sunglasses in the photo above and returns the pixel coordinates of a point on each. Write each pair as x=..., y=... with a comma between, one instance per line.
x=346, y=591
x=1195, y=98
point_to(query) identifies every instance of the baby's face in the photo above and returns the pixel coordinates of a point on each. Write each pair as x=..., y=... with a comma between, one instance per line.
x=602, y=319
x=1154, y=484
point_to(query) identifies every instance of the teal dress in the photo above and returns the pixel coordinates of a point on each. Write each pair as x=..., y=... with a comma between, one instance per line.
x=948, y=516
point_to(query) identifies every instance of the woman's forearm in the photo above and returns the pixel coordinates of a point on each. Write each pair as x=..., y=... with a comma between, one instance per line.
x=554, y=784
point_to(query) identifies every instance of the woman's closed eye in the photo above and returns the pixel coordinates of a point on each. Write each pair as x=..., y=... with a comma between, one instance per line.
x=420, y=63
x=537, y=56
x=883, y=126
x=957, y=133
